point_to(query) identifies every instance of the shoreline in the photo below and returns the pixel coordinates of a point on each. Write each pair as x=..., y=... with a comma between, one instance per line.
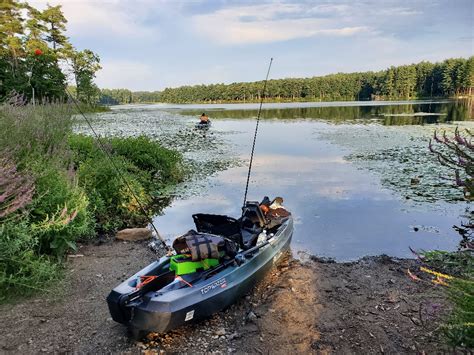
x=329, y=103
x=312, y=307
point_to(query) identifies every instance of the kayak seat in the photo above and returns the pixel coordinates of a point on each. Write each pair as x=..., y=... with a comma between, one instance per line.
x=216, y=224
x=249, y=232
x=254, y=213
x=251, y=224
x=225, y=226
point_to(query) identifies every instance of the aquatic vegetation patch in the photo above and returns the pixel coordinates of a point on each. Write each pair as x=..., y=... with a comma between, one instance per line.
x=205, y=152
x=401, y=157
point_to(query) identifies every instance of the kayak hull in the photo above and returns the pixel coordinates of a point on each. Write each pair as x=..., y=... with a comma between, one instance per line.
x=203, y=125
x=164, y=310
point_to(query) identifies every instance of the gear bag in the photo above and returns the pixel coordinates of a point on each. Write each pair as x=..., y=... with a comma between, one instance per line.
x=202, y=246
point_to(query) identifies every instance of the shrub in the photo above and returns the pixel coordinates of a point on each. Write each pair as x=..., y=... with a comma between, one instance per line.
x=143, y=163
x=456, y=152
x=22, y=270
x=158, y=165
x=57, y=188
x=60, y=212
x=115, y=205
x=147, y=155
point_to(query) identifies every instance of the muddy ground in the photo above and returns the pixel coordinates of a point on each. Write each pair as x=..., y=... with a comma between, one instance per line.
x=315, y=306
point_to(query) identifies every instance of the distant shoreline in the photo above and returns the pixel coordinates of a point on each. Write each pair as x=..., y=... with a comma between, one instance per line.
x=309, y=103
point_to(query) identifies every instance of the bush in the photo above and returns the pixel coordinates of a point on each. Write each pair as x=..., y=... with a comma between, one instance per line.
x=115, y=206
x=22, y=270
x=57, y=188
x=147, y=155
x=143, y=163
x=61, y=215
x=157, y=165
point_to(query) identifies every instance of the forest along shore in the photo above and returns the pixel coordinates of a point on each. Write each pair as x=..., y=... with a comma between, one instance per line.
x=311, y=306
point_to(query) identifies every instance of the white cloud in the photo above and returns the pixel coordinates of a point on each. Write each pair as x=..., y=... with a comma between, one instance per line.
x=100, y=18
x=271, y=23
x=122, y=73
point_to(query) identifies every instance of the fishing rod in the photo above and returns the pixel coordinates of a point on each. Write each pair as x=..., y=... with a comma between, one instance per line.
x=117, y=170
x=255, y=135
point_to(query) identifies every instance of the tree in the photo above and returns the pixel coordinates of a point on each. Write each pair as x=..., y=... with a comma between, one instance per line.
x=46, y=78
x=33, y=48
x=36, y=29
x=85, y=64
x=11, y=28
x=11, y=50
x=56, y=25
x=453, y=76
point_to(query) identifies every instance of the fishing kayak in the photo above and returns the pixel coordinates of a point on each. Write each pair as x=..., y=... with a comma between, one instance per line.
x=162, y=297
x=203, y=125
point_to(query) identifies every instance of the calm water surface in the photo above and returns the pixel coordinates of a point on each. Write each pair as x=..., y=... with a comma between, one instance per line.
x=344, y=207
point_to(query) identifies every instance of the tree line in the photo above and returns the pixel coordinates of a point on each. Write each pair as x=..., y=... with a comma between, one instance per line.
x=36, y=57
x=448, y=78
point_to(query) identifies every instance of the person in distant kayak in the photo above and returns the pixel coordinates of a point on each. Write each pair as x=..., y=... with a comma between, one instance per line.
x=204, y=118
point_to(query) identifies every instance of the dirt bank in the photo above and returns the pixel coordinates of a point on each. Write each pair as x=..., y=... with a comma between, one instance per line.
x=311, y=307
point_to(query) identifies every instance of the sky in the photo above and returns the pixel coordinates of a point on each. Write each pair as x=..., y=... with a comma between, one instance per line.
x=153, y=44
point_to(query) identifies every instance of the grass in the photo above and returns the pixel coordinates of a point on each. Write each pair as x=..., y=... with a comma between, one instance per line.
x=459, y=326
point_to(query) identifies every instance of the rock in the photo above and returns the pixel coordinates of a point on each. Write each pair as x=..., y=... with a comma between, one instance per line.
x=251, y=317
x=234, y=335
x=220, y=331
x=134, y=234
x=141, y=345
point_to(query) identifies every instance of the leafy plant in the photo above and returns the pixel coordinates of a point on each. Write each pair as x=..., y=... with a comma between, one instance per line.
x=115, y=205
x=22, y=270
x=118, y=187
x=60, y=214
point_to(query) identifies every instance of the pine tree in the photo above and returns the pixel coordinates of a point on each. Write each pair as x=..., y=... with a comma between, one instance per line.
x=56, y=26
x=11, y=28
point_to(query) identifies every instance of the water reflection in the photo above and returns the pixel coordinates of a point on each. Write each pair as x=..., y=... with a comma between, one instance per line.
x=391, y=115
x=340, y=211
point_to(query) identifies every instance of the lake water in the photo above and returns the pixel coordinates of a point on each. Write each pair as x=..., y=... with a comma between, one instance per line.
x=343, y=169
